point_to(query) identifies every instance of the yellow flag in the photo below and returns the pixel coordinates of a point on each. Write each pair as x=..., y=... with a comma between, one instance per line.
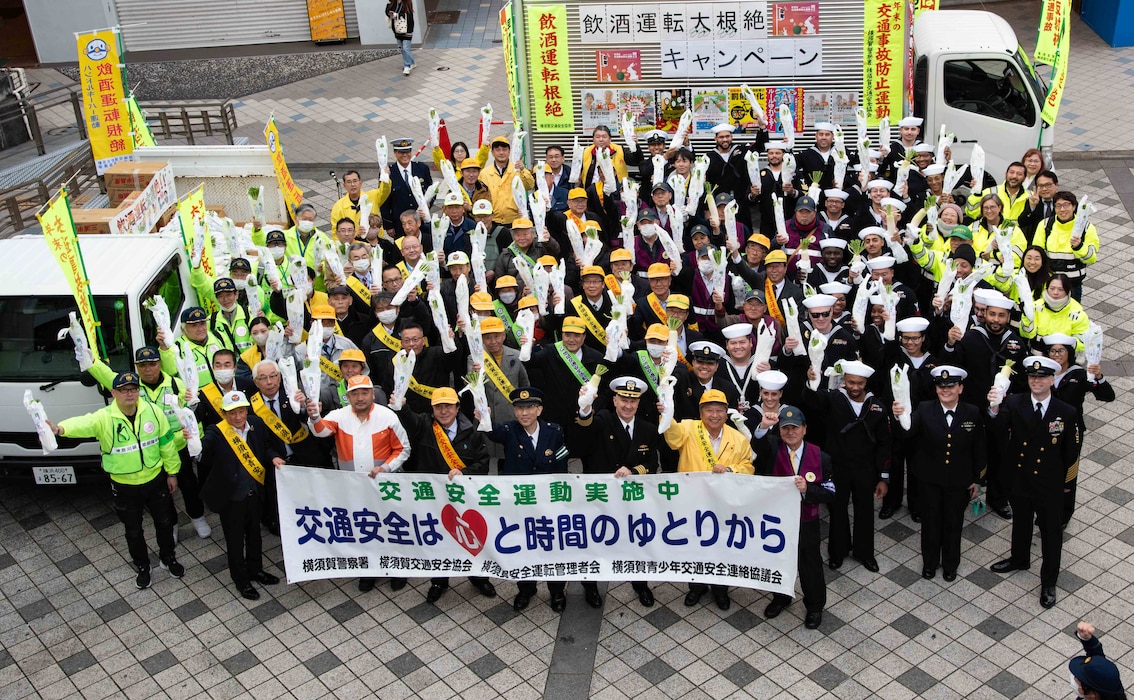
x=883, y=54
x=549, y=68
x=293, y=196
x=139, y=128
x=59, y=233
x=189, y=208
x=1054, y=18
x=1058, y=76
x=104, y=98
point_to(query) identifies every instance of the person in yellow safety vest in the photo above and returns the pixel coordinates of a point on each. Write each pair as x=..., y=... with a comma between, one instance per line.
x=164, y=391
x=196, y=339
x=240, y=272
x=497, y=176
x=1058, y=313
x=138, y=453
x=259, y=328
x=350, y=206
x=301, y=239
x=1011, y=193
x=230, y=321
x=1067, y=253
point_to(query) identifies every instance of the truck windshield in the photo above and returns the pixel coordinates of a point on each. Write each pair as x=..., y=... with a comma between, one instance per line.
x=991, y=87
x=30, y=349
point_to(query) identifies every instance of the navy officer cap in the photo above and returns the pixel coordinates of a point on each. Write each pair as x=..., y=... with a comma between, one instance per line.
x=147, y=353
x=194, y=314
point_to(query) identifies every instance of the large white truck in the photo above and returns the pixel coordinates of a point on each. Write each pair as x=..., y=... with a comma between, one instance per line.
x=35, y=301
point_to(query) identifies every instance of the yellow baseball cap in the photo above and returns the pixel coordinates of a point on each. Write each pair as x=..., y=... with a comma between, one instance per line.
x=713, y=396
x=761, y=239
x=776, y=256
x=506, y=281
x=677, y=301
x=658, y=270
x=323, y=311
x=444, y=395
x=470, y=163
x=657, y=331
x=522, y=223
x=352, y=355
x=577, y=193
x=481, y=301
x=491, y=325
x=547, y=260
x=573, y=324
x=593, y=270
x=621, y=255
x=527, y=302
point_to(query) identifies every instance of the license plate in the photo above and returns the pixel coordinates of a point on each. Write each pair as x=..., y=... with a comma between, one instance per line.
x=54, y=475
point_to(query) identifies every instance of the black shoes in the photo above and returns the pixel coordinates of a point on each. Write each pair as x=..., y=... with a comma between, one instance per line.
x=267, y=579
x=885, y=513
x=834, y=563
x=591, y=595
x=722, y=599
x=397, y=584
x=813, y=620
x=693, y=597
x=143, y=580
x=365, y=585
x=175, y=569
x=1004, y=511
x=521, y=602
x=914, y=516
x=248, y=592
x=1005, y=566
x=950, y=576
x=928, y=573
x=1048, y=597
x=775, y=608
x=870, y=564
x=486, y=588
x=646, y=597
x=435, y=593
x=559, y=601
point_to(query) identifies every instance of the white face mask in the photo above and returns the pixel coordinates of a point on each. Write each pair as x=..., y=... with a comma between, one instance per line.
x=507, y=297
x=706, y=266
x=260, y=338
x=655, y=350
x=241, y=284
x=278, y=252
x=647, y=230
x=224, y=376
x=388, y=316
x=229, y=308
x=362, y=265
x=305, y=226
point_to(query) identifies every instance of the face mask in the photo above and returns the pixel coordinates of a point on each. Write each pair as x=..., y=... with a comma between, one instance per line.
x=507, y=297
x=241, y=284
x=706, y=266
x=305, y=226
x=224, y=376
x=277, y=252
x=388, y=316
x=260, y=338
x=655, y=350
x=647, y=230
x=362, y=265
x=229, y=308
x=1055, y=304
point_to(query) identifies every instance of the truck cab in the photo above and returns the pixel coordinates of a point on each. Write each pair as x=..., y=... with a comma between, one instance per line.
x=971, y=75
x=35, y=301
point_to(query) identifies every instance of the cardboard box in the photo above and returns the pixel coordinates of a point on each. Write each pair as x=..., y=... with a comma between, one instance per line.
x=93, y=221
x=118, y=197
x=130, y=176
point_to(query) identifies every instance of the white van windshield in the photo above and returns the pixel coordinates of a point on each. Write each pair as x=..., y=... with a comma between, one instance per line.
x=30, y=349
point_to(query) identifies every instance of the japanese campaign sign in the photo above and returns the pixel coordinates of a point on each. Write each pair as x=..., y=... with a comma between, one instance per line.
x=508, y=39
x=726, y=529
x=139, y=129
x=755, y=58
x=147, y=209
x=550, y=75
x=190, y=209
x=628, y=25
x=293, y=195
x=618, y=66
x=108, y=121
x=1056, y=16
x=669, y=106
x=710, y=108
x=59, y=233
x=883, y=59
x=1058, y=76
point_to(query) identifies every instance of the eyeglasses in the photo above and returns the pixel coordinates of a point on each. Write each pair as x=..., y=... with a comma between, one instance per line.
x=1064, y=205
x=1057, y=351
x=820, y=314
x=909, y=338
x=128, y=389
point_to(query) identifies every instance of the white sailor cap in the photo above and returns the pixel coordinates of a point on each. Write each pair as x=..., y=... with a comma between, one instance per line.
x=772, y=380
x=892, y=202
x=983, y=295
x=872, y=231
x=947, y=375
x=999, y=301
x=1059, y=339
x=911, y=121
x=858, y=369
x=819, y=301
x=775, y=144
x=873, y=154
x=824, y=126
x=879, y=182
x=832, y=243
x=935, y=169
x=881, y=262
x=923, y=148
x=737, y=330
x=723, y=127
x=835, y=194
x=835, y=288
x=870, y=167
x=913, y=324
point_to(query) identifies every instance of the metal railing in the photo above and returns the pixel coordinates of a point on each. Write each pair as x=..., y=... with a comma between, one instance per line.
x=31, y=106
x=188, y=120
x=19, y=204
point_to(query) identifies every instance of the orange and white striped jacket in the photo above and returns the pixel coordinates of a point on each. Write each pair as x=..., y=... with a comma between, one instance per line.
x=380, y=440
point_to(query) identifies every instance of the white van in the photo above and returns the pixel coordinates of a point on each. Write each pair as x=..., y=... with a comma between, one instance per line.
x=971, y=75
x=34, y=304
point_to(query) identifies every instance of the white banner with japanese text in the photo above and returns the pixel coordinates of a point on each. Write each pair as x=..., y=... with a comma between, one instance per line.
x=147, y=209
x=726, y=529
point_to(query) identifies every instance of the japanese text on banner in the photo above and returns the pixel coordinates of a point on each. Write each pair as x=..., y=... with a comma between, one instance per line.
x=508, y=37
x=883, y=59
x=1058, y=76
x=1055, y=15
x=108, y=120
x=550, y=72
x=923, y=5
x=726, y=529
x=59, y=233
x=144, y=213
x=190, y=208
x=293, y=195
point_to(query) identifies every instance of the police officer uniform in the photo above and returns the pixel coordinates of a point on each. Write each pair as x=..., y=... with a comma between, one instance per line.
x=202, y=352
x=1042, y=445
x=232, y=330
x=948, y=459
x=525, y=454
x=401, y=197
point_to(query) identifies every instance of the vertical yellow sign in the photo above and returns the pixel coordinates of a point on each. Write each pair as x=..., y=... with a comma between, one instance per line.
x=549, y=75
x=1054, y=17
x=883, y=59
x=140, y=130
x=59, y=233
x=508, y=38
x=1058, y=76
x=190, y=208
x=104, y=98
x=923, y=5
x=293, y=196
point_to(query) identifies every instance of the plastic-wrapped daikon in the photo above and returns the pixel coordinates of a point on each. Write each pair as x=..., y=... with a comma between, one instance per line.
x=860, y=126
x=474, y=385
x=884, y=136
x=540, y=283
x=628, y=134
x=816, y=347
x=276, y=346
x=520, y=197
x=437, y=227
x=731, y=232
x=479, y=243
x=1092, y=346
x=890, y=300
x=188, y=371
x=606, y=166
x=861, y=304
x=976, y=166
x=669, y=243
x=540, y=176
x=1082, y=217
x=576, y=161
x=157, y=306
x=331, y=259
x=903, y=178
x=289, y=378
x=765, y=341
x=38, y=415
x=666, y=385
x=658, y=174
x=900, y=384
x=960, y=311
x=945, y=284
x=1024, y=295
x=680, y=186
x=314, y=348
x=199, y=233
x=419, y=273
x=626, y=233
x=804, y=265
x=83, y=354
x=791, y=317
x=1001, y=382
x=952, y=178
x=382, y=150
x=295, y=298
x=617, y=338
x=474, y=337
x=696, y=184
x=787, y=125
x=671, y=352
x=312, y=379
x=857, y=263
x=485, y=125
x=441, y=319
x=720, y=274
x=449, y=177
x=526, y=321
x=188, y=422
x=518, y=138
x=297, y=275
x=256, y=202
x=575, y=237
x=524, y=271
x=592, y=245
x=754, y=105
x=462, y=295
x=255, y=303
x=557, y=276
x=1003, y=237
x=538, y=211
x=630, y=190
x=778, y=213
x=752, y=163
x=683, y=127
x=403, y=364
x=268, y=265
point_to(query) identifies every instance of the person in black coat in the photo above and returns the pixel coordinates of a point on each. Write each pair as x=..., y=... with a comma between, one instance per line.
x=1027, y=421
x=946, y=438
x=401, y=198
x=1095, y=676
x=446, y=442
x=772, y=183
x=559, y=369
x=237, y=493
x=532, y=446
x=858, y=440
x=705, y=357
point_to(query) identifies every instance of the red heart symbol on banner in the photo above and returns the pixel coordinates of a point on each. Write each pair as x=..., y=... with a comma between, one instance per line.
x=469, y=528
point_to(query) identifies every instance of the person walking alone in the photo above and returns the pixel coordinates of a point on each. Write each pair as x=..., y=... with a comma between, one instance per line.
x=400, y=13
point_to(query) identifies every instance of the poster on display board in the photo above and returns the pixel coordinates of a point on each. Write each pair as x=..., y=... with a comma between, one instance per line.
x=710, y=108
x=640, y=103
x=835, y=107
x=795, y=18
x=740, y=111
x=793, y=98
x=670, y=105
x=599, y=109
x=618, y=66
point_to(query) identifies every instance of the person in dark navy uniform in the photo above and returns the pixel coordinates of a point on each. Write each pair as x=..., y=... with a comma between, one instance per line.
x=401, y=197
x=1042, y=446
x=531, y=446
x=621, y=441
x=949, y=457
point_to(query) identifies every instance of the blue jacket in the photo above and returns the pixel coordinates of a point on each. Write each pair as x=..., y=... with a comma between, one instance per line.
x=549, y=456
